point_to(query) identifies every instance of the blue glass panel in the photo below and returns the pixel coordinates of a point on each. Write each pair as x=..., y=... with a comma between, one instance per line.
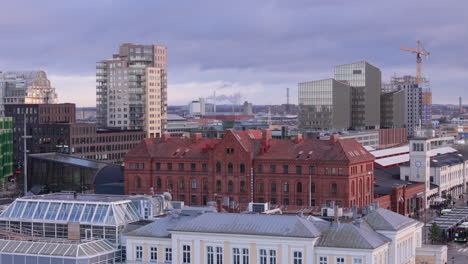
x=100, y=214
x=76, y=212
x=28, y=212
x=64, y=212
x=52, y=212
x=41, y=210
x=18, y=209
x=88, y=213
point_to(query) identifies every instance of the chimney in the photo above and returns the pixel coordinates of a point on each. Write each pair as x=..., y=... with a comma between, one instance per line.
x=165, y=137
x=266, y=134
x=334, y=138
x=196, y=136
x=299, y=138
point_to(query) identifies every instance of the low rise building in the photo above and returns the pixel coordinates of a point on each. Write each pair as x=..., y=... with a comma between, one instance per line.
x=380, y=237
x=247, y=166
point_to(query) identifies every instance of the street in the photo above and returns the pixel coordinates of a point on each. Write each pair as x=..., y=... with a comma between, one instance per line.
x=457, y=253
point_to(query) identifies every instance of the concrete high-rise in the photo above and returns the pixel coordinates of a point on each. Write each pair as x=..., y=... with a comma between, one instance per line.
x=131, y=91
x=324, y=105
x=25, y=87
x=416, y=102
x=366, y=85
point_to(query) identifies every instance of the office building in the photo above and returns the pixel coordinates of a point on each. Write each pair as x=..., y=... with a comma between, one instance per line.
x=250, y=165
x=6, y=147
x=366, y=82
x=25, y=87
x=52, y=128
x=379, y=237
x=197, y=108
x=131, y=91
x=324, y=105
x=392, y=109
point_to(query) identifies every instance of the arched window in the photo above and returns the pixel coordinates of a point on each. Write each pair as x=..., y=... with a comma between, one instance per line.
x=299, y=187
x=368, y=184
x=158, y=183
x=218, y=167
x=360, y=187
x=260, y=187
x=230, y=168
x=218, y=186
x=312, y=187
x=334, y=188
x=242, y=186
x=181, y=184
x=137, y=182
x=353, y=188
x=230, y=186
x=242, y=168
x=273, y=187
x=286, y=187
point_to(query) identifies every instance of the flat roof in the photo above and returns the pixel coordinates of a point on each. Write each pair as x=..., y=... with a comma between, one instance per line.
x=82, y=197
x=71, y=160
x=390, y=151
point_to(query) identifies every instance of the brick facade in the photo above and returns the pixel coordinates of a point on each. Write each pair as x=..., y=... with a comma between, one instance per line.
x=285, y=172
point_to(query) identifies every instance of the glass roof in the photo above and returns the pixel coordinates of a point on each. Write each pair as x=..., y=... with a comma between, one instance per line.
x=94, y=213
x=67, y=249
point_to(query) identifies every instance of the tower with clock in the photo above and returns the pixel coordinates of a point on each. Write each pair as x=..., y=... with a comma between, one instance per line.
x=419, y=167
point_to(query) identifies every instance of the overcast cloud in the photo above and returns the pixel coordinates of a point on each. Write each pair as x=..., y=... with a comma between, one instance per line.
x=258, y=47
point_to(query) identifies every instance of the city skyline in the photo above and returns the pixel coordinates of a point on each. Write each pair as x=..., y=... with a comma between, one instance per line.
x=258, y=49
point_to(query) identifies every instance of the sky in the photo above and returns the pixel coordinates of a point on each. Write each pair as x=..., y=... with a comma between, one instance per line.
x=255, y=48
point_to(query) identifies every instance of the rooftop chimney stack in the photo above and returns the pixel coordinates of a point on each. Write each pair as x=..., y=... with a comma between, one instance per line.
x=334, y=138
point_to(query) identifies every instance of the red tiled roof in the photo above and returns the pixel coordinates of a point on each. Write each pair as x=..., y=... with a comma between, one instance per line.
x=347, y=150
x=174, y=147
x=344, y=150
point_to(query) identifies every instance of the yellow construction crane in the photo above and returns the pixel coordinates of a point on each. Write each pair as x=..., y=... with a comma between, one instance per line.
x=419, y=51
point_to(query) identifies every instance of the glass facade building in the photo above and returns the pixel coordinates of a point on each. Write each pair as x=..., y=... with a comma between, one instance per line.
x=6, y=147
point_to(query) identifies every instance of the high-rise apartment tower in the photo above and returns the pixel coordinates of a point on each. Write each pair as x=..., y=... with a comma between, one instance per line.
x=131, y=92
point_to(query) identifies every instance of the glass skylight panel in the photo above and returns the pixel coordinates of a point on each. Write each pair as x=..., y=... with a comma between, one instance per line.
x=110, y=220
x=18, y=210
x=64, y=212
x=41, y=210
x=60, y=250
x=36, y=248
x=29, y=211
x=100, y=214
x=23, y=247
x=71, y=252
x=52, y=212
x=48, y=249
x=7, y=212
x=11, y=246
x=88, y=213
x=76, y=212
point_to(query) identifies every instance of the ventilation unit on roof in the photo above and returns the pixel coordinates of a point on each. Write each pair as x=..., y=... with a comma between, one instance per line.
x=258, y=207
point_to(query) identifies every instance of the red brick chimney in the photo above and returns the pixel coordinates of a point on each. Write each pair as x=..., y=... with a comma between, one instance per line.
x=334, y=138
x=266, y=134
x=299, y=138
x=196, y=136
x=165, y=137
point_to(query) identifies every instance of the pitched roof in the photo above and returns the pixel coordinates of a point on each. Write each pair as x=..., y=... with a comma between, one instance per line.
x=347, y=150
x=160, y=227
x=350, y=235
x=382, y=219
x=251, y=224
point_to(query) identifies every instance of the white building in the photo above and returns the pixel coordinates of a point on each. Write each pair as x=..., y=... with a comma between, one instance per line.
x=381, y=237
x=443, y=173
x=197, y=108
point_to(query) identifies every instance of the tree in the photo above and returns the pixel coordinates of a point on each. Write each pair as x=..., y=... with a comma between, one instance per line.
x=434, y=233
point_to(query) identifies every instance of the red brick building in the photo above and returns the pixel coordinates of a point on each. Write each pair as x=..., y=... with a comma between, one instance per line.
x=299, y=172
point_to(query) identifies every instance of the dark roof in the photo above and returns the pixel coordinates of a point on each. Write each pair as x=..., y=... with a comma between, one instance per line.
x=382, y=219
x=350, y=235
x=70, y=160
x=251, y=224
x=109, y=180
x=448, y=159
x=386, y=180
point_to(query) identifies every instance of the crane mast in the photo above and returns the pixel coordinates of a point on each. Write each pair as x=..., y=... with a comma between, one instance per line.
x=419, y=53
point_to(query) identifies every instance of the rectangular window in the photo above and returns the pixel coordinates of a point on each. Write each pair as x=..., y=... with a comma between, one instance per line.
x=297, y=257
x=240, y=256
x=339, y=260
x=169, y=166
x=272, y=168
x=158, y=166
x=326, y=171
x=285, y=169
x=214, y=255
x=186, y=254
x=311, y=170
x=138, y=252
x=357, y=260
x=168, y=254
x=204, y=167
x=181, y=166
x=260, y=168
x=323, y=260
x=193, y=166
x=298, y=169
x=153, y=253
